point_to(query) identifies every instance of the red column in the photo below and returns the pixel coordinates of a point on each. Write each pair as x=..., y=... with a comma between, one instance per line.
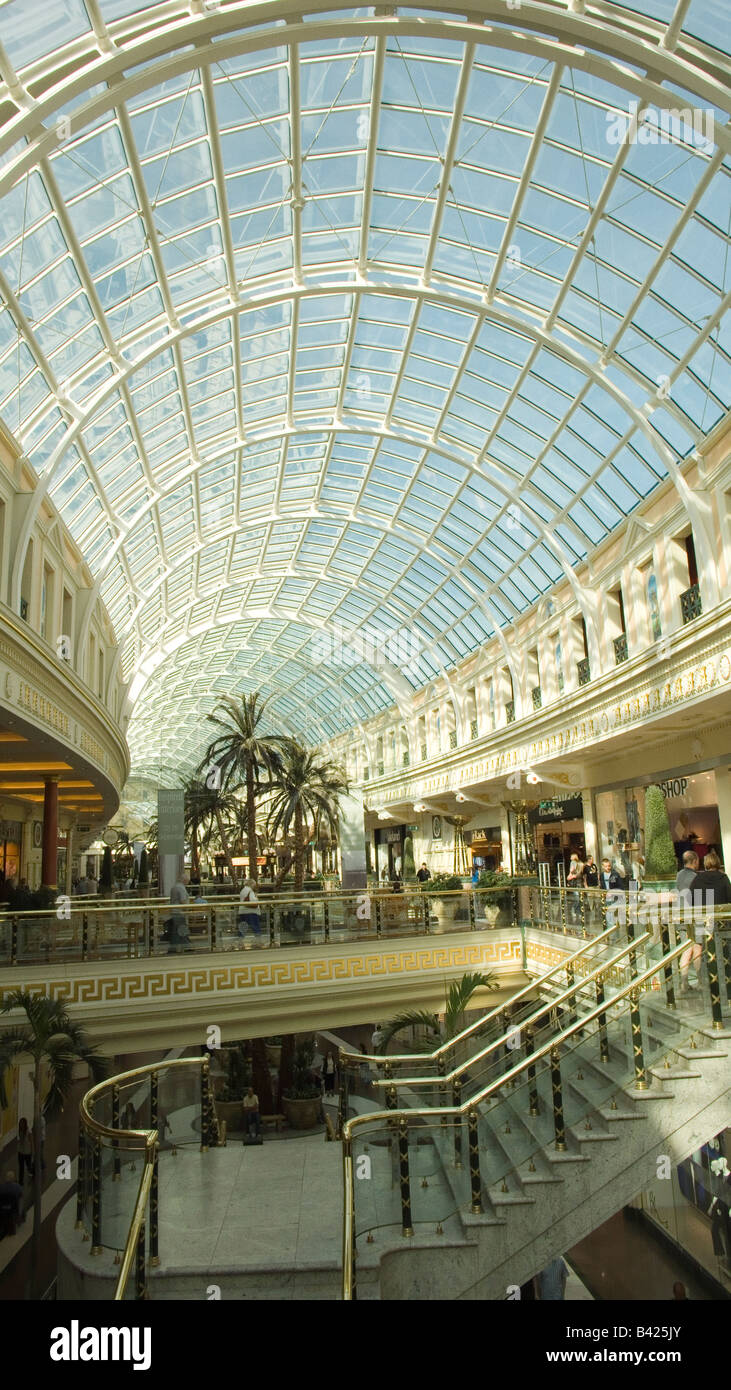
x=50, y=833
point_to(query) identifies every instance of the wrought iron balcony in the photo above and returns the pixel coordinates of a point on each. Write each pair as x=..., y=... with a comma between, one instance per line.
x=620, y=649
x=537, y=696
x=690, y=604
x=584, y=671
x=510, y=712
x=453, y=738
x=423, y=752
x=473, y=728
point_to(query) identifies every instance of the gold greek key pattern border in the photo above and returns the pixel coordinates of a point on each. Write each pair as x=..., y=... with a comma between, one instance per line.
x=543, y=954
x=174, y=981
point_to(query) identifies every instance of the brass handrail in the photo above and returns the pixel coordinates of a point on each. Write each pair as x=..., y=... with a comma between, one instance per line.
x=143, y=1196
x=420, y=1114
x=381, y=1057
x=570, y=990
x=122, y=1079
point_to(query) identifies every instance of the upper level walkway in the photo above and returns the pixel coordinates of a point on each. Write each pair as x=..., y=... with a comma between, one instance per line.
x=333, y=960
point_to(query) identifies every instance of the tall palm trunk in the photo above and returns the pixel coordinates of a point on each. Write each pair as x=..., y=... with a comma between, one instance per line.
x=225, y=847
x=251, y=822
x=299, y=849
x=194, y=852
x=35, y=1243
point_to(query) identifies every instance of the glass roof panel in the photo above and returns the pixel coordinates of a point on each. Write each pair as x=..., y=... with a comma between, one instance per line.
x=324, y=313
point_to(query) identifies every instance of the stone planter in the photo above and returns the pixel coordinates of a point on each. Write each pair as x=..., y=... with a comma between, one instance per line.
x=232, y=1112
x=302, y=1114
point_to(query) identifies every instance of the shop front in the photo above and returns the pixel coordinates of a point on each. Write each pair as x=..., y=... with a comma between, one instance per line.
x=389, y=841
x=485, y=844
x=558, y=831
x=692, y=805
x=11, y=832
x=691, y=1205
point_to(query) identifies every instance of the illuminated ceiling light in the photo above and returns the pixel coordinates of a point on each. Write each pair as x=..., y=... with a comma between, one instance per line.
x=7, y=737
x=37, y=767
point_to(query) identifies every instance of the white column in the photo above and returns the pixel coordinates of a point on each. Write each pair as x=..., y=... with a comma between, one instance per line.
x=590, y=831
x=352, y=842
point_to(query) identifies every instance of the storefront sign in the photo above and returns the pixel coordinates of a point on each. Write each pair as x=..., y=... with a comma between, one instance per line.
x=570, y=809
x=678, y=786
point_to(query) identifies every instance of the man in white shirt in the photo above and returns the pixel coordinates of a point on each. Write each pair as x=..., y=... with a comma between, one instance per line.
x=248, y=910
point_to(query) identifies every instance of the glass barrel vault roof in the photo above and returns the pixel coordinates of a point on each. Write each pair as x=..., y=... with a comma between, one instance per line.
x=325, y=326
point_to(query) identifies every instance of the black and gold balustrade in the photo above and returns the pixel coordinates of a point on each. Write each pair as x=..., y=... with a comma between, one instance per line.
x=612, y=1005
x=125, y=1131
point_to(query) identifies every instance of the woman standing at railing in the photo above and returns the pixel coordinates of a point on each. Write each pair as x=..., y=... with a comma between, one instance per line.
x=713, y=889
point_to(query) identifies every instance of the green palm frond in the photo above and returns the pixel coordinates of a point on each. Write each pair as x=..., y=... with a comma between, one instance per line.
x=412, y=1018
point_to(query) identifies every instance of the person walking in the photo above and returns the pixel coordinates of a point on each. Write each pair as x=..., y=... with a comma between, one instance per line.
x=591, y=880
x=25, y=1150
x=179, y=929
x=575, y=881
x=248, y=910
x=328, y=1072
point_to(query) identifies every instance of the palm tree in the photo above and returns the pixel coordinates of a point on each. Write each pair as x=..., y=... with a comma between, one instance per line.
x=206, y=808
x=123, y=852
x=458, y=997
x=244, y=755
x=307, y=786
x=53, y=1041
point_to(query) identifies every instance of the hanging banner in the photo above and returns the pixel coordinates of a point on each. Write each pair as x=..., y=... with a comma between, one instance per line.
x=170, y=820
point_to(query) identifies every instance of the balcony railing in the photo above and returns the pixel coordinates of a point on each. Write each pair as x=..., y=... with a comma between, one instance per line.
x=620, y=649
x=536, y=696
x=584, y=671
x=423, y=752
x=510, y=712
x=473, y=728
x=690, y=604
x=453, y=738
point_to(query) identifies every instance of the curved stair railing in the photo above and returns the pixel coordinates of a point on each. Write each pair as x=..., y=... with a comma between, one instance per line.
x=114, y=1209
x=551, y=1112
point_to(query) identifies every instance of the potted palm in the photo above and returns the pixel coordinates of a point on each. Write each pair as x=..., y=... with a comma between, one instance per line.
x=433, y=1030
x=302, y=1101
x=496, y=906
x=442, y=892
x=237, y=1077
x=54, y=1044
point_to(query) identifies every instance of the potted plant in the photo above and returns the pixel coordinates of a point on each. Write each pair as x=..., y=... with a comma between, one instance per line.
x=442, y=893
x=302, y=1102
x=497, y=906
x=237, y=1076
x=274, y=1051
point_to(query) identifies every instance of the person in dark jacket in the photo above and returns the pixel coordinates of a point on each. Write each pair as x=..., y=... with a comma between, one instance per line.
x=710, y=888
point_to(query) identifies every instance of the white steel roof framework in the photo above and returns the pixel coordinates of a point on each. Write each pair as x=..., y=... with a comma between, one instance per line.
x=369, y=322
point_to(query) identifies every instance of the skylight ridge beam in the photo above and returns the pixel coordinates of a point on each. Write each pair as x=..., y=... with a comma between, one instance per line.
x=447, y=162
x=526, y=177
